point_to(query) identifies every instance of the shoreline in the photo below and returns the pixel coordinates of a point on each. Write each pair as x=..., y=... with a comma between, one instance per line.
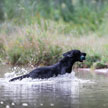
x=97, y=71
x=100, y=70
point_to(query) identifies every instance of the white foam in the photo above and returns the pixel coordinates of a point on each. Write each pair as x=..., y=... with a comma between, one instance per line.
x=10, y=75
x=15, y=72
x=24, y=104
x=60, y=78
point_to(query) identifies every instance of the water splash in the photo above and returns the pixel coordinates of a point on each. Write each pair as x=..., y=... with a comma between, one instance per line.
x=18, y=71
x=15, y=71
x=33, y=92
x=60, y=78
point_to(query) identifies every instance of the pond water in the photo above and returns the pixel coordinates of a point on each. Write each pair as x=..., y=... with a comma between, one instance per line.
x=77, y=90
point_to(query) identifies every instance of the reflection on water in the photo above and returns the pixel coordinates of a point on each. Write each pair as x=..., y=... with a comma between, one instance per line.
x=55, y=92
x=86, y=90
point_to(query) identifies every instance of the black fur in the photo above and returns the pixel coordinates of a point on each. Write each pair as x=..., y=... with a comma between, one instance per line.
x=62, y=67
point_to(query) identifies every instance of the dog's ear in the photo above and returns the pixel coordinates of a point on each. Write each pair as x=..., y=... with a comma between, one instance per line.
x=68, y=54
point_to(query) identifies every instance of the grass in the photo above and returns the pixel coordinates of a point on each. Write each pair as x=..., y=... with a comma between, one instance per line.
x=83, y=15
x=39, y=34
x=44, y=44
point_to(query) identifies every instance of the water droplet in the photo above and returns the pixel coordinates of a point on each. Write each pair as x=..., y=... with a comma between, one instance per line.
x=1, y=102
x=41, y=104
x=51, y=104
x=13, y=104
x=7, y=106
x=24, y=104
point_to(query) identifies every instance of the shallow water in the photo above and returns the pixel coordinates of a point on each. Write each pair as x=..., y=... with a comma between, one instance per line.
x=83, y=90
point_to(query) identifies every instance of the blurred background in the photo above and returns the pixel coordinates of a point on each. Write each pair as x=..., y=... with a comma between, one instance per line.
x=37, y=32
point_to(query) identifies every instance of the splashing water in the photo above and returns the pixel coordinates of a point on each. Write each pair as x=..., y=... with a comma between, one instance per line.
x=60, y=78
x=62, y=91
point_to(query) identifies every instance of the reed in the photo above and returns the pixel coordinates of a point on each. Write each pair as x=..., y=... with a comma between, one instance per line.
x=33, y=44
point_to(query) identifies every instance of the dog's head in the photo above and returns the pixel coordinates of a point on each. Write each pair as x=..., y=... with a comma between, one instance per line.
x=75, y=55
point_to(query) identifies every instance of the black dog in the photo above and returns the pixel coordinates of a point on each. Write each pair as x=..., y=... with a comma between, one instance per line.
x=62, y=67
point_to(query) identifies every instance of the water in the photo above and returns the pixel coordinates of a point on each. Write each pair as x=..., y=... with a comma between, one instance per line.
x=83, y=90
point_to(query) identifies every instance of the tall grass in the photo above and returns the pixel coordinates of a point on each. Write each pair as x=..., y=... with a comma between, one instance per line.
x=33, y=44
x=38, y=31
x=84, y=15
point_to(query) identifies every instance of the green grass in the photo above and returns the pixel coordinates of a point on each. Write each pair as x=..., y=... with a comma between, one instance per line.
x=83, y=15
x=37, y=32
x=43, y=44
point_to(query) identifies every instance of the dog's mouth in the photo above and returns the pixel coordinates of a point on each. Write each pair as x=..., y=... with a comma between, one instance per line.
x=82, y=58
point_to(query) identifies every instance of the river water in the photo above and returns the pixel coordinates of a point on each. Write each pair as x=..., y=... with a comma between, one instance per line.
x=77, y=90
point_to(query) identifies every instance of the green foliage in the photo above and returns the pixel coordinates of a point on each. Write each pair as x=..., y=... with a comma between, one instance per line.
x=1, y=10
x=1, y=49
x=92, y=59
x=84, y=15
x=98, y=65
x=53, y=19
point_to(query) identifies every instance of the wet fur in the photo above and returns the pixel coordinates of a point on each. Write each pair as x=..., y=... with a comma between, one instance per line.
x=62, y=67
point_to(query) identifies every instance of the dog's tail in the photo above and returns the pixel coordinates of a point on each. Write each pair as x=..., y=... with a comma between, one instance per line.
x=20, y=77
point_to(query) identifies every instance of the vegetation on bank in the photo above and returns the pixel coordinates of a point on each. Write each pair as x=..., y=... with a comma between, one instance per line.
x=33, y=44
x=37, y=32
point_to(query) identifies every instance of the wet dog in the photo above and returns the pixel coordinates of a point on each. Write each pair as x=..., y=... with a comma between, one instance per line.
x=60, y=68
